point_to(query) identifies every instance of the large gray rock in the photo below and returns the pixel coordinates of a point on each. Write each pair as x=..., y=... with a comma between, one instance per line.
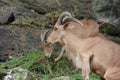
x=61, y=5
x=33, y=12
x=22, y=15
x=15, y=40
x=20, y=74
x=107, y=10
x=40, y=14
x=5, y=11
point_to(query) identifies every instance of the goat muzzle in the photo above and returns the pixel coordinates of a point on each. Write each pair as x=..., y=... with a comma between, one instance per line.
x=48, y=43
x=47, y=55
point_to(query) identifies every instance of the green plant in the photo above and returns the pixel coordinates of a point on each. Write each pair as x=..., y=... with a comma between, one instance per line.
x=39, y=66
x=109, y=29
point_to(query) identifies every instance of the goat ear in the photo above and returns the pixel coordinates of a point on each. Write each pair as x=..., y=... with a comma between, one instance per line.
x=65, y=25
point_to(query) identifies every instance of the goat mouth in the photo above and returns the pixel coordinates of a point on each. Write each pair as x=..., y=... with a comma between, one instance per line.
x=48, y=55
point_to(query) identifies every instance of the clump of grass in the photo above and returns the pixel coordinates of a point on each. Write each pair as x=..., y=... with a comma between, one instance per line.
x=37, y=63
x=109, y=30
x=43, y=67
x=24, y=61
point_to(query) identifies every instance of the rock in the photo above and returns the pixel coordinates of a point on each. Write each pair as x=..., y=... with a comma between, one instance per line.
x=33, y=6
x=25, y=20
x=2, y=75
x=3, y=59
x=21, y=15
x=16, y=74
x=29, y=12
x=5, y=12
x=76, y=7
x=107, y=10
x=19, y=74
x=16, y=40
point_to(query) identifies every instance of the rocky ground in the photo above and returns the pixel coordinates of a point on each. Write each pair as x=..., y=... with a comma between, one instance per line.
x=22, y=21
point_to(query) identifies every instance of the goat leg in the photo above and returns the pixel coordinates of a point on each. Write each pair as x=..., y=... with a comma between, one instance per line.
x=86, y=66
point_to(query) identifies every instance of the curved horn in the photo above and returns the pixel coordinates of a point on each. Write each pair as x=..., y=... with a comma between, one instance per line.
x=66, y=19
x=62, y=16
x=44, y=35
x=47, y=34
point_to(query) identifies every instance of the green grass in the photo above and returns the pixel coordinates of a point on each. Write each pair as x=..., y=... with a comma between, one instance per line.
x=43, y=67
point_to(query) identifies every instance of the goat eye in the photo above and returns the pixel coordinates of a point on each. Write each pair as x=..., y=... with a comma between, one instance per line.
x=45, y=41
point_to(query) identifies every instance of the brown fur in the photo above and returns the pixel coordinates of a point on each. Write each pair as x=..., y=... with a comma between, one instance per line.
x=49, y=49
x=86, y=41
x=89, y=28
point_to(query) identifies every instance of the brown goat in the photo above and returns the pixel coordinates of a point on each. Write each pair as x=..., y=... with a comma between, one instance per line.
x=49, y=49
x=97, y=53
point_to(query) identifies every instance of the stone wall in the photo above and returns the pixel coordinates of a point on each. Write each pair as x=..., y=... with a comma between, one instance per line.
x=22, y=21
